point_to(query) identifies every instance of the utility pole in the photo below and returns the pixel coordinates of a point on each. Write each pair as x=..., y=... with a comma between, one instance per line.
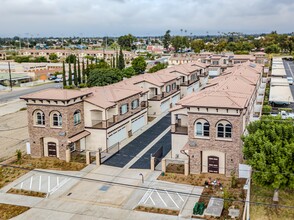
x=10, y=81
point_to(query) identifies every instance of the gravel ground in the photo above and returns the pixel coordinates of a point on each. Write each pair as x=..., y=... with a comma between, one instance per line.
x=13, y=131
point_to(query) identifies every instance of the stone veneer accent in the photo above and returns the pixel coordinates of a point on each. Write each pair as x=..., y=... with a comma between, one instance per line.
x=37, y=133
x=232, y=148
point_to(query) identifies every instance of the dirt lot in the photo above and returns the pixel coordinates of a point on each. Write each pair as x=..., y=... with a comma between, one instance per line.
x=13, y=133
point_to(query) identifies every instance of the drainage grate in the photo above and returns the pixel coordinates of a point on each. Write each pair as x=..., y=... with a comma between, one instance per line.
x=104, y=188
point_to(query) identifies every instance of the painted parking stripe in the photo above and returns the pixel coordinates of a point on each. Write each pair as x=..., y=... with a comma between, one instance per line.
x=149, y=196
x=161, y=198
x=40, y=181
x=62, y=183
x=172, y=199
x=180, y=197
x=48, y=184
x=21, y=185
x=145, y=196
x=152, y=201
x=31, y=182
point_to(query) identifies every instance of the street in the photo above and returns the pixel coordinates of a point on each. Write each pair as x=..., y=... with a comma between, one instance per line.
x=9, y=96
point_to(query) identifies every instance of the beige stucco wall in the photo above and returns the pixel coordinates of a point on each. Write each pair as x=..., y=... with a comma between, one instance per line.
x=96, y=140
x=178, y=142
x=222, y=159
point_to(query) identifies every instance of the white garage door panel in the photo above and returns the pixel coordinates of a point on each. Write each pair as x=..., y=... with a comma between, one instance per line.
x=164, y=106
x=117, y=137
x=189, y=90
x=175, y=99
x=196, y=87
x=138, y=123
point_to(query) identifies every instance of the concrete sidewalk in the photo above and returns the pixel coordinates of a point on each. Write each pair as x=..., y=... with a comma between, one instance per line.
x=21, y=200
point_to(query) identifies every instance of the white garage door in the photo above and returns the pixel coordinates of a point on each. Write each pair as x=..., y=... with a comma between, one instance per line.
x=164, y=106
x=117, y=136
x=189, y=90
x=175, y=99
x=196, y=87
x=138, y=123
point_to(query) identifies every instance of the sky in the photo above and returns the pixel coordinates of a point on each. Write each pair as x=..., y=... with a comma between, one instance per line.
x=85, y=18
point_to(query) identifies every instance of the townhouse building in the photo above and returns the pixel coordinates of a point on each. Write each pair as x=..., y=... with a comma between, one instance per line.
x=207, y=125
x=100, y=118
x=56, y=122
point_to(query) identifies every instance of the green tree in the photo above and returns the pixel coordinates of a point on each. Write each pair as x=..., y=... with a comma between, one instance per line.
x=139, y=64
x=197, y=45
x=166, y=40
x=274, y=48
x=75, y=73
x=53, y=57
x=70, y=59
x=179, y=43
x=79, y=72
x=63, y=74
x=83, y=72
x=69, y=75
x=269, y=149
x=126, y=42
x=103, y=77
x=121, y=60
x=128, y=72
x=157, y=67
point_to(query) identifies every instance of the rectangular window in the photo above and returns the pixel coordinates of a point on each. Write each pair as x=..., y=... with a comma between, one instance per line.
x=167, y=88
x=135, y=104
x=124, y=109
x=174, y=85
x=198, y=129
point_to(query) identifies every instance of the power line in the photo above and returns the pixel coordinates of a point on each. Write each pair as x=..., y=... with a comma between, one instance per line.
x=148, y=188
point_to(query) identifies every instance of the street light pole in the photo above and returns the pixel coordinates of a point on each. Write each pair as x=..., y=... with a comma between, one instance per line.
x=9, y=70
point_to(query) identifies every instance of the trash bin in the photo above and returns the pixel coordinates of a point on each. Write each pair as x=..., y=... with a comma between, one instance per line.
x=162, y=173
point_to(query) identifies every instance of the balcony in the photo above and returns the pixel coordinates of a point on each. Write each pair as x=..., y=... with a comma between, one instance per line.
x=178, y=129
x=189, y=82
x=104, y=123
x=164, y=94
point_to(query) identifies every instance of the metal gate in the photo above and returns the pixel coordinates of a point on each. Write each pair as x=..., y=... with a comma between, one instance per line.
x=52, y=149
x=158, y=155
x=213, y=164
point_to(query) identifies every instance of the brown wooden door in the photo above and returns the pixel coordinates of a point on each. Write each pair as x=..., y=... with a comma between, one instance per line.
x=213, y=164
x=52, y=149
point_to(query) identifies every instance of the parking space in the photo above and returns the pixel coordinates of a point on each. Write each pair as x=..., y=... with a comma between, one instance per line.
x=289, y=68
x=163, y=199
x=144, y=161
x=132, y=149
x=39, y=182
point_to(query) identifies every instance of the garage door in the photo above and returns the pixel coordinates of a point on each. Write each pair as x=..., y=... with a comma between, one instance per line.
x=138, y=123
x=117, y=136
x=164, y=106
x=189, y=90
x=175, y=99
x=196, y=87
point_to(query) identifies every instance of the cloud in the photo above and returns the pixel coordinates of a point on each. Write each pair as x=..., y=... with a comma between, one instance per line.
x=142, y=17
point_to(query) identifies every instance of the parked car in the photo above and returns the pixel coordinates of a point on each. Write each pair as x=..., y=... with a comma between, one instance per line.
x=286, y=115
x=58, y=80
x=290, y=80
x=52, y=77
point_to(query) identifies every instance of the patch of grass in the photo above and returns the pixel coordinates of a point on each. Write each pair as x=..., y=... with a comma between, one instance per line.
x=27, y=193
x=157, y=210
x=10, y=211
x=265, y=195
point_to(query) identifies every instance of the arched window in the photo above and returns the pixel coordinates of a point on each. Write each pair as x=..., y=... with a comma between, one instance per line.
x=39, y=118
x=228, y=131
x=224, y=129
x=202, y=128
x=57, y=120
x=77, y=117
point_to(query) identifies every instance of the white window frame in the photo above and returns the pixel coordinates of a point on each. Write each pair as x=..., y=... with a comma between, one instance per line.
x=77, y=117
x=226, y=134
x=174, y=86
x=167, y=89
x=59, y=119
x=200, y=128
x=135, y=103
x=124, y=109
x=40, y=119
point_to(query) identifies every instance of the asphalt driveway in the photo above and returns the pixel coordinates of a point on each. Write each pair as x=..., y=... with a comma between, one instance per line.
x=132, y=149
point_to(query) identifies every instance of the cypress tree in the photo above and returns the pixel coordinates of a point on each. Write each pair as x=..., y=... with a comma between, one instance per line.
x=69, y=75
x=113, y=62
x=121, y=60
x=75, y=73
x=63, y=74
x=79, y=72
x=87, y=68
x=83, y=72
x=96, y=60
x=116, y=60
